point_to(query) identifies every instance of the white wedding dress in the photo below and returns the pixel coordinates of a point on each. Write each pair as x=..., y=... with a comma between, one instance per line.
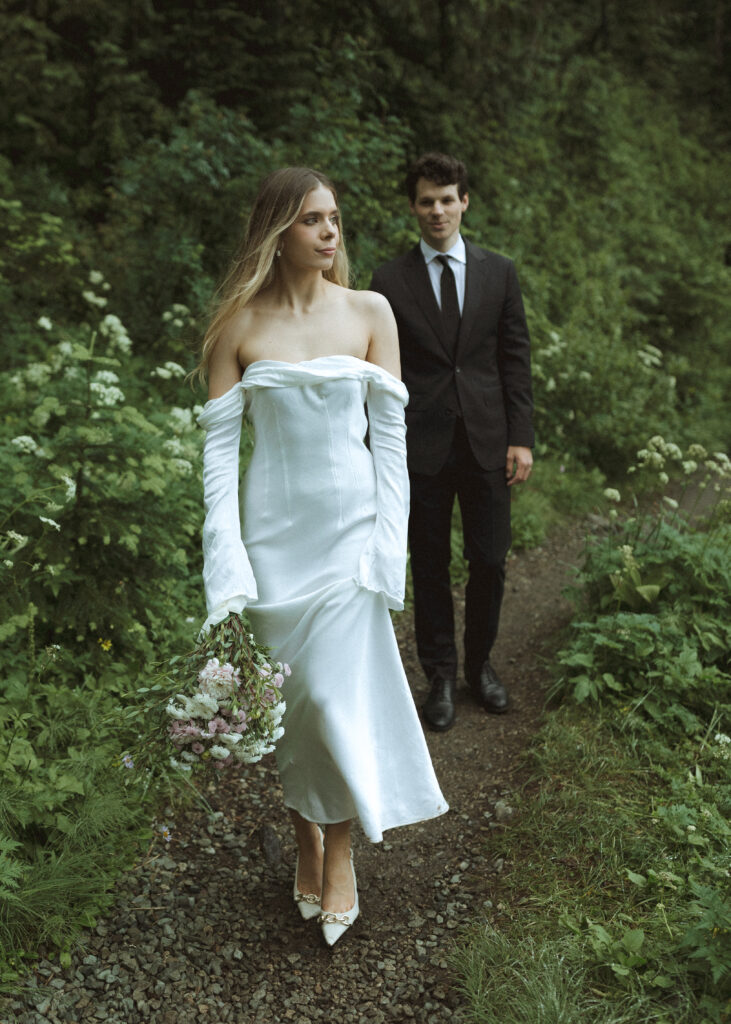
x=322, y=559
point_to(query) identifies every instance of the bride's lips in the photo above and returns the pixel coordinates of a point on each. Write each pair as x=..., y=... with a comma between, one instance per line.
x=326, y=252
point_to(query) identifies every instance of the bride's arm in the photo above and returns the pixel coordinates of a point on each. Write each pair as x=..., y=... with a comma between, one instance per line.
x=224, y=368
x=382, y=564
x=227, y=574
x=383, y=347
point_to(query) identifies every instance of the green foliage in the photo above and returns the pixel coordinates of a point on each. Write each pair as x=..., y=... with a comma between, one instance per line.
x=627, y=915
x=627, y=893
x=657, y=639
x=99, y=542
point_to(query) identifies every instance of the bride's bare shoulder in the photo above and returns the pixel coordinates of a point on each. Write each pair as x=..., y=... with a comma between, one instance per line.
x=372, y=305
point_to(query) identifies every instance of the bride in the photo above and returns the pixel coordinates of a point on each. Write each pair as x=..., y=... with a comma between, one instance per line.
x=321, y=556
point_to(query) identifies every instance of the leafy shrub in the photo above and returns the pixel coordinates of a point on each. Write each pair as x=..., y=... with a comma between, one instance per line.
x=652, y=651
x=99, y=477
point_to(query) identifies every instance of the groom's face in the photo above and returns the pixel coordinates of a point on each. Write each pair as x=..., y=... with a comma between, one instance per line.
x=438, y=210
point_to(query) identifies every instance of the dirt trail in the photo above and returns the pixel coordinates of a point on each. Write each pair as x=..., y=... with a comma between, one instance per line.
x=206, y=930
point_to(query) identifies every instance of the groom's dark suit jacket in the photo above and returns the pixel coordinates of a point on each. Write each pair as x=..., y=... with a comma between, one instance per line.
x=485, y=379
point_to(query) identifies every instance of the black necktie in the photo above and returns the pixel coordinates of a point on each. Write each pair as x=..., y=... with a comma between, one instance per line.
x=450, y=303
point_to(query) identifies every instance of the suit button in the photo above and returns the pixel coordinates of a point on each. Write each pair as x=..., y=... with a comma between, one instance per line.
x=458, y=369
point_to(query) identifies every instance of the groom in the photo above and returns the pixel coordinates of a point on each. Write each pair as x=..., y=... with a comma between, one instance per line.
x=465, y=357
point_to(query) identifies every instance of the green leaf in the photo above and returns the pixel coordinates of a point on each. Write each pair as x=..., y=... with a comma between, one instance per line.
x=635, y=878
x=632, y=940
x=620, y=970
x=583, y=689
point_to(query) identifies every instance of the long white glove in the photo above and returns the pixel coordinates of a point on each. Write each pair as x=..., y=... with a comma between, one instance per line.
x=382, y=564
x=227, y=574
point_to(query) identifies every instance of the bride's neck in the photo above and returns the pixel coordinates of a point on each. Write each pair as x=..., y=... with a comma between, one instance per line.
x=298, y=291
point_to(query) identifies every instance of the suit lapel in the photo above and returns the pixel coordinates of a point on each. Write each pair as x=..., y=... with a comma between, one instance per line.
x=417, y=279
x=474, y=290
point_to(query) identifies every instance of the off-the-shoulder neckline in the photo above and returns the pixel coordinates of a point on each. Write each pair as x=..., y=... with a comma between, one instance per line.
x=303, y=362
x=262, y=365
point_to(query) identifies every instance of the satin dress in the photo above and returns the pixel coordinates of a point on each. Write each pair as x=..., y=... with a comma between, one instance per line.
x=319, y=561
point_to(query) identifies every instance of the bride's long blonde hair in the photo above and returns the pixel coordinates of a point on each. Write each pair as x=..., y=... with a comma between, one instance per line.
x=254, y=266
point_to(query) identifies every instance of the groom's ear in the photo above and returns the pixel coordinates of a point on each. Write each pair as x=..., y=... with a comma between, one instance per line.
x=465, y=201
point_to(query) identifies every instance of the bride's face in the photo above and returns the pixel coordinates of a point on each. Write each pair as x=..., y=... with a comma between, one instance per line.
x=312, y=240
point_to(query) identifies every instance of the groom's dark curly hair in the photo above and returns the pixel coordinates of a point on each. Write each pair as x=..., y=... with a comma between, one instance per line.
x=440, y=169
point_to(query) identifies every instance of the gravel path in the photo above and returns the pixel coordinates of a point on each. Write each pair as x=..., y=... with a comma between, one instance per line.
x=205, y=929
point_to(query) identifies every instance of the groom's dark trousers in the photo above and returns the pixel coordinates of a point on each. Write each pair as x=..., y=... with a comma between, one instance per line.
x=467, y=402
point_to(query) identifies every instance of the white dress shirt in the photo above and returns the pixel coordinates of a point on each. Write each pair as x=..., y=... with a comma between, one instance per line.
x=457, y=261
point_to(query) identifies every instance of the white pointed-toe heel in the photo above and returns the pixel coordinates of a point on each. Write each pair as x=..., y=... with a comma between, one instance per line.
x=335, y=925
x=307, y=903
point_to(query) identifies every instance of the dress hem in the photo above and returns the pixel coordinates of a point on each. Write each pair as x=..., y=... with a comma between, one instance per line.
x=384, y=828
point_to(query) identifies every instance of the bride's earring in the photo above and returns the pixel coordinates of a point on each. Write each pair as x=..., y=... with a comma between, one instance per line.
x=278, y=253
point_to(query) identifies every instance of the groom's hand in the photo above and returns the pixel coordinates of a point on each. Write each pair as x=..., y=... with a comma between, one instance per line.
x=518, y=464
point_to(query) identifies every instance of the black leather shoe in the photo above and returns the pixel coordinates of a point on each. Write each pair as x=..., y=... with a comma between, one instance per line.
x=489, y=691
x=438, y=708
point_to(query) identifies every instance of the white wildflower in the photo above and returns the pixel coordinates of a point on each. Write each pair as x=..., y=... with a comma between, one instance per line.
x=219, y=753
x=177, y=322
x=173, y=447
x=663, y=478
x=180, y=309
x=612, y=495
x=70, y=487
x=51, y=522
x=37, y=373
x=8, y=564
x=722, y=739
x=175, y=368
x=697, y=451
x=106, y=377
x=113, y=329
x=96, y=277
x=671, y=502
x=182, y=466
x=107, y=396
x=19, y=538
x=167, y=316
x=25, y=444
x=161, y=372
x=689, y=467
x=94, y=300
x=45, y=323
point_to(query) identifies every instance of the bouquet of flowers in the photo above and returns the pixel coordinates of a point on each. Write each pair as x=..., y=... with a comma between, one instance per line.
x=234, y=713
